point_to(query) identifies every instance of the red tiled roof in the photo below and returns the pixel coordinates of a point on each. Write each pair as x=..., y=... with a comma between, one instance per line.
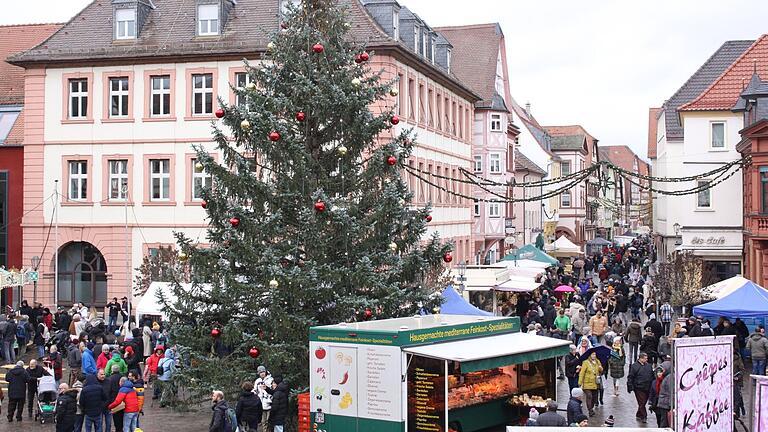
x=569, y=130
x=724, y=92
x=653, y=123
x=15, y=39
x=16, y=134
x=620, y=155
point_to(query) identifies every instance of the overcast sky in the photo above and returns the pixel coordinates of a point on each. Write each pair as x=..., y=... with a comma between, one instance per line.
x=597, y=63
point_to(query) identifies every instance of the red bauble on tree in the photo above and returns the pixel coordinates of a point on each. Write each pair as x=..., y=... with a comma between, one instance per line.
x=204, y=204
x=235, y=222
x=395, y=119
x=215, y=332
x=319, y=206
x=368, y=313
x=219, y=113
x=447, y=257
x=358, y=59
x=318, y=48
x=274, y=136
x=284, y=25
x=364, y=56
x=254, y=352
x=391, y=160
x=428, y=218
x=301, y=116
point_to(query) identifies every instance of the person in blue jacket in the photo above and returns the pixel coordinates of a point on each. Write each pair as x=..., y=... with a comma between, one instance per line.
x=92, y=402
x=89, y=363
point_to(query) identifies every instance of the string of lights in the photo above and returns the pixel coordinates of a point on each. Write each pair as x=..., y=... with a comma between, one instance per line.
x=699, y=188
x=722, y=168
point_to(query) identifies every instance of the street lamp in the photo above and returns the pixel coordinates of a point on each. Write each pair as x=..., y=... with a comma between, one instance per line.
x=35, y=263
x=462, y=271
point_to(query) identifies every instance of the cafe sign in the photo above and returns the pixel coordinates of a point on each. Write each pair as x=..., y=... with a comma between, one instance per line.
x=710, y=241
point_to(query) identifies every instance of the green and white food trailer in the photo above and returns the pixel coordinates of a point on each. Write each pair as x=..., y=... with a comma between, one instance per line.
x=434, y=373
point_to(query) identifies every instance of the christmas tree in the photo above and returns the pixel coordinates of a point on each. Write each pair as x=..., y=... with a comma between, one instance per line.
x=310, y=222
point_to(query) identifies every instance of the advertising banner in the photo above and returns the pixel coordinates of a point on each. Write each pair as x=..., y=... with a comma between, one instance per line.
x=703, y=371
x=760, y=401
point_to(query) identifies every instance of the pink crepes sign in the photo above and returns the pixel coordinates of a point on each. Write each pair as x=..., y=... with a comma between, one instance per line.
x=703, y=392
x=760, y=419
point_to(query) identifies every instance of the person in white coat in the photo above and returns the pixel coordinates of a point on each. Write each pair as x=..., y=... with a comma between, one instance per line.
x=146, y=336
x=260, y=386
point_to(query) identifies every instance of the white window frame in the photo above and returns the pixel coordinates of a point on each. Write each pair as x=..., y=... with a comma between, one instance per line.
x=125, y=24
x=432, y=52
x=80, y=95
x=207, y=24
x=705, y=191
x=494, y=163
x=160, y=93
x=563, y=202
x=494, y=210
x=202, y=92
x=495, y=123
x=424, y=44
x=476, y=209
x=160, y=174
x=478, y=163
x=78, y=180
x=563, y=170
x=416, y=33
x=200, y=180
x=246, y=79
x=118, y=175
x=712, y=136
x=448, y=60
x=396, y=25
x=122, y=94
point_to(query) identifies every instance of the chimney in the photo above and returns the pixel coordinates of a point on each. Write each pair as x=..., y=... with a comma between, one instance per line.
x=528, y=108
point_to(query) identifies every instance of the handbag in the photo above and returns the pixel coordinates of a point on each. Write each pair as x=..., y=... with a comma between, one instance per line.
x=119, y=407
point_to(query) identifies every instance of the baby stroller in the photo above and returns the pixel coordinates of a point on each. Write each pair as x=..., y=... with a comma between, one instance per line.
x=46, y=399
x=61, y=338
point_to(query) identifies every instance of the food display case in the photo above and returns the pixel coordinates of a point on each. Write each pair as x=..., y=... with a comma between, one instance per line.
x=428, y=374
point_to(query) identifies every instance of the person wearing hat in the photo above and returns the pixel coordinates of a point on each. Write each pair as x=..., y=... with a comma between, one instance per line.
x=551, y=417
x=580, y=421
x=150, y=369
x=649, y=345
x=609, y=422
x=574, y=408
x=262, y=387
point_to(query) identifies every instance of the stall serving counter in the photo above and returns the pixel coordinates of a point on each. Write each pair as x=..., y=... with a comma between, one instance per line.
x=435, y=373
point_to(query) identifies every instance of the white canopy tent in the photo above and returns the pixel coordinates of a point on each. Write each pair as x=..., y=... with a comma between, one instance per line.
x=149, y=303
x=563, y=247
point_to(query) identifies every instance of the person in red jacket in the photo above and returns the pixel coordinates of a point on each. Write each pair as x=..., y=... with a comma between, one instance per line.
x=150, y=370
x=103, y=359
x=127, y=395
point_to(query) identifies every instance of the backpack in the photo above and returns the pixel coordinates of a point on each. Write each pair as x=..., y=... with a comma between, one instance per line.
x=230, y=420
x=21, y=332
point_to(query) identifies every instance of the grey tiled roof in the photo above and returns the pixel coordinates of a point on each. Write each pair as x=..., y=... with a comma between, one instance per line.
x=568, y=142
x=522, y=163
x=700, y=81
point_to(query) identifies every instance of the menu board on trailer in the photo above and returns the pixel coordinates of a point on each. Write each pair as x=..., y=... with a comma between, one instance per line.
x=703, y=368
x=426, y=395
x=380, y=382
x=760, y=417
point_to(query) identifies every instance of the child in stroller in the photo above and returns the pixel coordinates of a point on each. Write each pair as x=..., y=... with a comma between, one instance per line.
x=46, y=399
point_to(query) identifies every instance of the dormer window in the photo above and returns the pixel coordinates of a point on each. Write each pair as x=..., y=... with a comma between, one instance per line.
x=424, y=43
x=416, y=38
x=448, y=60
x=125, y=24
x=208, y=20
x=396, y=25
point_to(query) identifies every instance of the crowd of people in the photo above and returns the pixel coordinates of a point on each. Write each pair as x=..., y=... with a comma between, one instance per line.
x=619, y=333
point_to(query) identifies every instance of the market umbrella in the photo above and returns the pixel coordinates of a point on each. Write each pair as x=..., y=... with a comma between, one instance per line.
x=579, y=263
x=602, y=351
x=564, y=288
x=632, y=248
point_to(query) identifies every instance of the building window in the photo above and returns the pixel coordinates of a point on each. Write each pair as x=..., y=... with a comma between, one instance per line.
x=494, y=210
x=704, y=197
x=495, y=122
x=125, y=24
x=565, y=168
x=476, y=209
x=432, y=53
x=78, y=98
x=764, y=188
x=118, y=179
x=161, y=96
x=207, y=20
x=396, y=25
x=416, y=38
x=478, y=164
x=494, y=163
x=448, y=60
x=200, y=181
x=78, y=180
x=118, y=97
x=8, y=118
x=565, y=199
x=160, y=179
x=241, y=80
x=718, y=135
x=202, y=94
x=424, y=44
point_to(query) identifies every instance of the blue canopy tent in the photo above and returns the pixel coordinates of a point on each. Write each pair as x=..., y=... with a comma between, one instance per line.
x=454, y=304
x=748, y=301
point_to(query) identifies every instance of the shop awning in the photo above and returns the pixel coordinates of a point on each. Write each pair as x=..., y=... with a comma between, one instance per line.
x=494, y=351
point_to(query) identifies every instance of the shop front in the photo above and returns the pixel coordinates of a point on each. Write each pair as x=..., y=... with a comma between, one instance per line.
x=435, y=373
x=720, y=247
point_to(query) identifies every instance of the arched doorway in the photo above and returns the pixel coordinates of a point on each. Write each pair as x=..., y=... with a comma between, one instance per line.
x=563, y=231
x=82, y=275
